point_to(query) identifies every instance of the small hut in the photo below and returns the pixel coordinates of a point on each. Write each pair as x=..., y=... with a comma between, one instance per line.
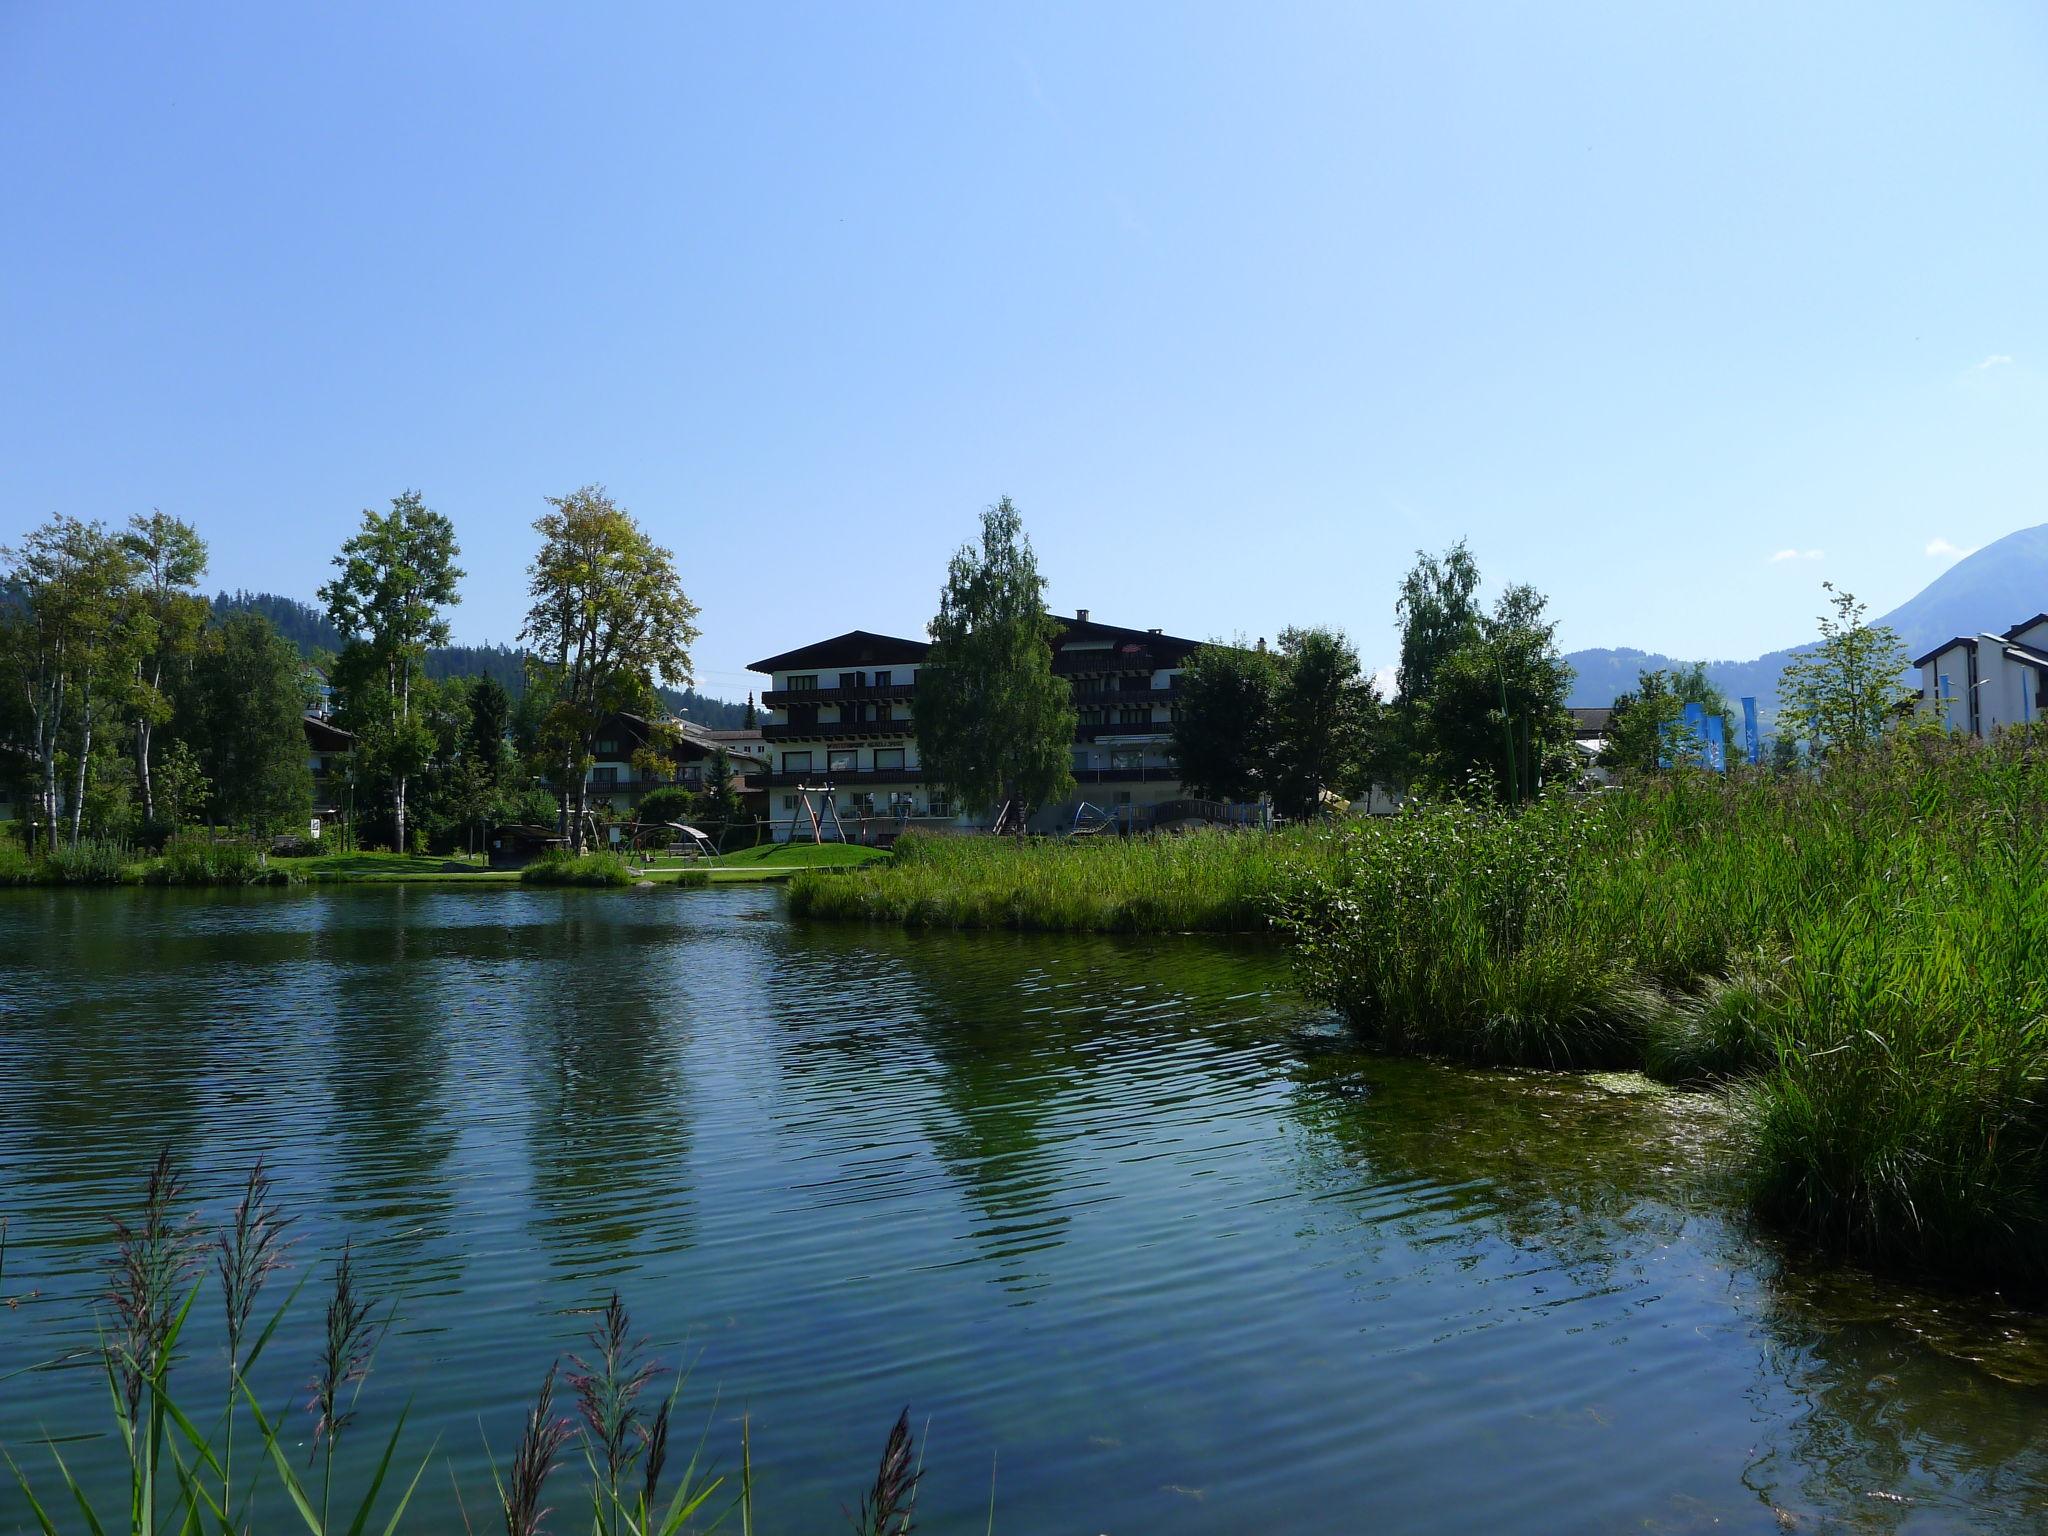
x=517, y=844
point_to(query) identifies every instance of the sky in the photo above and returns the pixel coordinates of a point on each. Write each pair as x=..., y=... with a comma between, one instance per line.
x=1671, y=311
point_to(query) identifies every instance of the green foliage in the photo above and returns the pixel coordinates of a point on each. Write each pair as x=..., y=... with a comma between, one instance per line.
x=1637, y=740
x=90, y=861
x=1494, y=718
x=1844, y=693
x=1213, y=881
x=1223, y=721
x=396, y=577
x=609, y=620
x=244, y=716
x=994, y=725
x=202, y=861
x=560, y=867
x=1860, y=949
x=671, y=802
x=1324, y=713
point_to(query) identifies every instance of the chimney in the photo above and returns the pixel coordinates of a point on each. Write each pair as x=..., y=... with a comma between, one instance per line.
x=1080, y=615
x=1155, y=630
x=1262, y=642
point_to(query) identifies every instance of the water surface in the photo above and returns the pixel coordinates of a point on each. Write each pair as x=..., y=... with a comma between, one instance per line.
x=1129, y=1228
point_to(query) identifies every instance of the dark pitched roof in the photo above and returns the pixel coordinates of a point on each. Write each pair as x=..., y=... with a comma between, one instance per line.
x=1948, y=645
x=854, y=648
x=326, y=736
x=2023, y=624
x=2033, y=655
x=1166, y=650
x=1588, y=722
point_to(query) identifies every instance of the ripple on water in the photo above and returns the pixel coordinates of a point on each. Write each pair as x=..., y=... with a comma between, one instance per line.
x=1117, y=1210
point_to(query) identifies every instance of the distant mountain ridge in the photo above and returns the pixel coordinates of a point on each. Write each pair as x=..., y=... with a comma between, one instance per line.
x=307, y=628
x=1990, y=589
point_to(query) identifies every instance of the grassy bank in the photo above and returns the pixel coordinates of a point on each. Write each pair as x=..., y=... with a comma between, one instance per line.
x=1862, y=959
x=1218, y=882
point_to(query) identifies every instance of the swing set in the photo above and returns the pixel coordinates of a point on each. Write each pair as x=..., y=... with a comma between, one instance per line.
x=813, y=816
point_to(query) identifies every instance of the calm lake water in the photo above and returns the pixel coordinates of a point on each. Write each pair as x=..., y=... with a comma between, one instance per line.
x=1124, y=1223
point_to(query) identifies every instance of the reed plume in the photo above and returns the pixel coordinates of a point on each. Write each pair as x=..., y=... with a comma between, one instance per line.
x=887, y=1508
x=536, y=1456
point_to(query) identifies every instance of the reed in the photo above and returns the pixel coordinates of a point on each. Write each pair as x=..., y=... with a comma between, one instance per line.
x=180, y=1473
x=560, y=867
x=1216, y=882
x=200, y=860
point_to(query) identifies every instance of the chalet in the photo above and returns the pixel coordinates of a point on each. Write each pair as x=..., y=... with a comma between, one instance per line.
x=619, y=782
x=1977, y=683
x=841, y=713
x=327, y=751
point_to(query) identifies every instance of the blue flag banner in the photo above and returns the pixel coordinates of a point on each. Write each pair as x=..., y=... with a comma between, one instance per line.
x=1751, y=747
x=1716, y=743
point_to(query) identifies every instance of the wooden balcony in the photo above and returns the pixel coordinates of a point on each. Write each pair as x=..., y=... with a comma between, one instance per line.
x=835, y=730
x=782, y=698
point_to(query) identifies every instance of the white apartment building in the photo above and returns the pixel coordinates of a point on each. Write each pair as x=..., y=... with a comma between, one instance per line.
x=1977, y=683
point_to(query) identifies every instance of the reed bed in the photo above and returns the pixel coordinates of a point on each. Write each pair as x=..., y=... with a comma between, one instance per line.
x=560, y=867
x=605, y=1465
x=1860, y=956
x=1215, y=882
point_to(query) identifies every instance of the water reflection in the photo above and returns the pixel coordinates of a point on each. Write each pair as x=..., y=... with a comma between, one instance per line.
x=1118, y=1210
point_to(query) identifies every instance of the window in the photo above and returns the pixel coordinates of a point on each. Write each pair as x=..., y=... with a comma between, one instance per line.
x=805, y=715
x=1134, y=717
x=864, y=804
x=608, y=747
x=1126, y=757
x=885, y=712
x=1083, y=759
x=888, y=757
x=796, y=762
x=789, y=802
x=805, y=684
x=902, y=803
x=604, y=775
x=842, y=762
x=882, y=678
x=939, y=805
x=849, y=679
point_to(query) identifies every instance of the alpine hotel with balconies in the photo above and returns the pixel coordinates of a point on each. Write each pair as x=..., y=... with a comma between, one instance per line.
x=842, y=713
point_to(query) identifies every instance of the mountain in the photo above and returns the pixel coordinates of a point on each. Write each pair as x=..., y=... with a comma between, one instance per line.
x=1992, y=588
x=308, y=629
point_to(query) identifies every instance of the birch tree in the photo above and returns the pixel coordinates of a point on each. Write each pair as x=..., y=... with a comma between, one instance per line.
x=169, y=558
x=994, y=724
x=397, y=575
x=609, y=621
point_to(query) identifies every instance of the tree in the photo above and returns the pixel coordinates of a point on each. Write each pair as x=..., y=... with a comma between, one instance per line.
x=609, y=621
x=1494, y=717
x=1646, y=726
x=1324, y=710
x=169, y=558
x=71, y=634
x=994, y=725
x=1438, y=613
x=397, y=575
x=246, y=722
x=1224, y=719
x=1843, y=693
x=751, y=716
x=490, y=720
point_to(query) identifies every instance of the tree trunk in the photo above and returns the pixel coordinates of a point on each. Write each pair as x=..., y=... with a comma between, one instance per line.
x=49, y=795
x=582, y=811
x=78, y=787
x=398, y=805
x=142, y=771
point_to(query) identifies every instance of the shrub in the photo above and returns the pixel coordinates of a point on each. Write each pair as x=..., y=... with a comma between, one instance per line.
x=560, y=867
x=201, y=861
x=92, y=861
x=17, y=865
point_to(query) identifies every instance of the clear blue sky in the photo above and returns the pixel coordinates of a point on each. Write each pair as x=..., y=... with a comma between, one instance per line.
x=1241, y=303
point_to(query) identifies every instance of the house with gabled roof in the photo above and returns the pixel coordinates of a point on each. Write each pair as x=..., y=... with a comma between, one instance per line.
x=1977, y=683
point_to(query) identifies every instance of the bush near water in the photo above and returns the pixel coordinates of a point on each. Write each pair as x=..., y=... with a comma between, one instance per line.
x=1860, y=955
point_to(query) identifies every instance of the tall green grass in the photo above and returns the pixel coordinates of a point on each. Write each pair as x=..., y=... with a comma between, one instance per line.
x=560, y=867
x=1865, y=955
x=1219, y=882
x=1862, y=955
x=607, y=1465
x=202, y=861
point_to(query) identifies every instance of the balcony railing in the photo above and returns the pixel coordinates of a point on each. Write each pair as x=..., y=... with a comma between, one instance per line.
x=838, y=730
x=778, y=698
x=1096, y=730
x=818, y=777
x=1067, y=663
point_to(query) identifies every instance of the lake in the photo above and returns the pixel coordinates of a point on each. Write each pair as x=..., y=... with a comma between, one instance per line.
x=1134, y=1233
